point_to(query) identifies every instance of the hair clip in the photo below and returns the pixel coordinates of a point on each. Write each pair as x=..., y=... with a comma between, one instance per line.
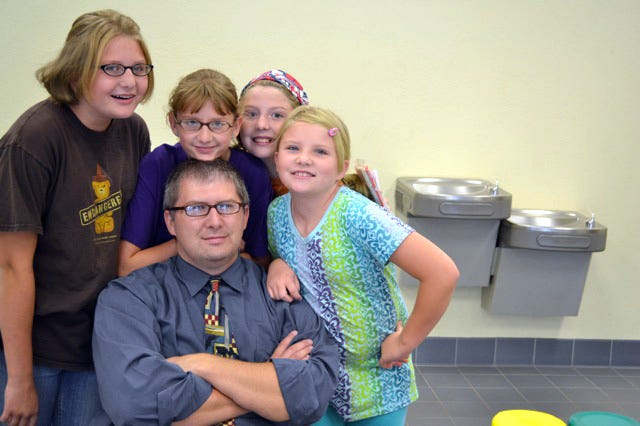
x=333, y=131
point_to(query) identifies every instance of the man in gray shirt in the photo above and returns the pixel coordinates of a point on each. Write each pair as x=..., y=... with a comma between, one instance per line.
x=275, y=361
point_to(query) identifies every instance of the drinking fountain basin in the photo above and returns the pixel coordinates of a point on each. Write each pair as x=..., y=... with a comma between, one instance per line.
x=452, y=197
x=552, y=230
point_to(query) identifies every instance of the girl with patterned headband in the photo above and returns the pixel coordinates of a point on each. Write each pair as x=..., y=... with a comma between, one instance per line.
x=265, y=102
x=343, y=248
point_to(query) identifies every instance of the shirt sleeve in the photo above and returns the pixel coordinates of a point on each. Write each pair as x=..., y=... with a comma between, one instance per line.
x=307, y=386
x=137, y=385
x=275, y=229
x=141, y=220
x=144, y=138
x=257, y=244
x=258, y=183
x=24, y=182
x=375, y=229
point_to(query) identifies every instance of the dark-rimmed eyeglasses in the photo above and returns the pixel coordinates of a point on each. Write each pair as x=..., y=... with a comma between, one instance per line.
x=116, y=70
x=197, y=210
x=191, y=125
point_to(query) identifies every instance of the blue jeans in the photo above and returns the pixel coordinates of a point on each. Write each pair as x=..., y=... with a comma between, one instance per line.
x=65, y=397
x=332, y=418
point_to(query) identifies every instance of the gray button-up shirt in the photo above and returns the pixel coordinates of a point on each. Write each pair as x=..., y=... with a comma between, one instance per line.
x=157, y=312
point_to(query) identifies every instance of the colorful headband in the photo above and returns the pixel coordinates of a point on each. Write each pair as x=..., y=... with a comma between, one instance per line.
x=287, y=80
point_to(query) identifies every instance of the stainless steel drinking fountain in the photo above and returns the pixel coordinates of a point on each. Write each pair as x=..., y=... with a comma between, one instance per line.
x=461, y=216
x=541, y=262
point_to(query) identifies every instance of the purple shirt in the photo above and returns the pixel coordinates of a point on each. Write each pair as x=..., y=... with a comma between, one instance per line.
x=144, y=222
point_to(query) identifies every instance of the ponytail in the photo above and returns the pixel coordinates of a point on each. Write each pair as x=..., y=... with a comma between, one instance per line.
x=354, y=181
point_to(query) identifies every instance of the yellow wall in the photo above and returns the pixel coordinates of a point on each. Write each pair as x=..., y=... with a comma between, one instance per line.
x=541, y=95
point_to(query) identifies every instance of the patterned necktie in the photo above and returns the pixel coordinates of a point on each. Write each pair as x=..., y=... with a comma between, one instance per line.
x=218, y=340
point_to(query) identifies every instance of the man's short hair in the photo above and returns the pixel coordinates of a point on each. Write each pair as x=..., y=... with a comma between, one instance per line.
x=203, y=171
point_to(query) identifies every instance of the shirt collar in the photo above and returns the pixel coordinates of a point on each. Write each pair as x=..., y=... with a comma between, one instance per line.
x=195, y=279
x=235, y=274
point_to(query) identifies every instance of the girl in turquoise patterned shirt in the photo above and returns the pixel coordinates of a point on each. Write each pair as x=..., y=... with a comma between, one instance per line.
x=342, y=246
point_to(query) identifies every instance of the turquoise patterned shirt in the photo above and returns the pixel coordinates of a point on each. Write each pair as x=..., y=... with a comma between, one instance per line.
x=343, y=266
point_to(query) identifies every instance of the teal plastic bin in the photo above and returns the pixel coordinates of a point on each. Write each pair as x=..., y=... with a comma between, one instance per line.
x=601, y=418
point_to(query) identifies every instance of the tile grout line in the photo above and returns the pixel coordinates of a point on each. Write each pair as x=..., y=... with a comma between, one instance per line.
x=610, y=353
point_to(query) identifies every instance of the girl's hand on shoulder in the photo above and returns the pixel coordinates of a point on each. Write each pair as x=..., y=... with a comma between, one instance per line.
x=393, y=352
x=282, y=282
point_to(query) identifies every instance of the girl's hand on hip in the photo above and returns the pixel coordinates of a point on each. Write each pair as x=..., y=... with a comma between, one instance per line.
x=393, y=352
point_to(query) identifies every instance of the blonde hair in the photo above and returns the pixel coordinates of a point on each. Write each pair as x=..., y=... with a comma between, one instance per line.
x=69, y=77
x=202, y=86
x=325, y=118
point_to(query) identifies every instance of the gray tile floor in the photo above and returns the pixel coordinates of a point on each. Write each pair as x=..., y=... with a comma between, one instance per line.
x=471, y=396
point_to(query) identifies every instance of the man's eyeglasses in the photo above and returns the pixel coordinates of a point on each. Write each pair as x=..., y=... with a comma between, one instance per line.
x=197, y=210
x=191, y=125
x=116, y=70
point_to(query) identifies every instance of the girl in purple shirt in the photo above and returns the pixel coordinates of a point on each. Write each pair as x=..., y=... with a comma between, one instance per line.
x=204, y=116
